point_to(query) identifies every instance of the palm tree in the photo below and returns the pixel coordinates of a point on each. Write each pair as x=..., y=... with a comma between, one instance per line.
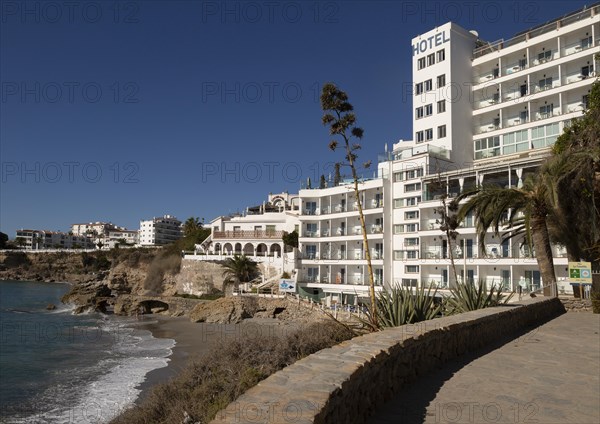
x=239, y=269
x=528, y=209
x=191, y=225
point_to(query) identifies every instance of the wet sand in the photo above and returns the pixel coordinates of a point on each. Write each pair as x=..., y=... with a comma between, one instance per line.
x=192, y=340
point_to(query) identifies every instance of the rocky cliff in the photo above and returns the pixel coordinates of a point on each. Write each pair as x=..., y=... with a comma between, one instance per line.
x=99, y=279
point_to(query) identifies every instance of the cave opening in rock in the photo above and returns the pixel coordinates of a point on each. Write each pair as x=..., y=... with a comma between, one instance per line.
x=153, y=306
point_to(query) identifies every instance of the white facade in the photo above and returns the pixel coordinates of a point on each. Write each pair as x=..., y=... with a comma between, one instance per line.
x=42, y=239
x=257, y=234
x=95, y=229
x=117, y=237
x=333, y=265
x=160, y=231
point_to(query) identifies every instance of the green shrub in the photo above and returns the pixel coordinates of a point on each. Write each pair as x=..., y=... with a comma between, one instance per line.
x=402, y=306
x=471, y=296
x=210, y=383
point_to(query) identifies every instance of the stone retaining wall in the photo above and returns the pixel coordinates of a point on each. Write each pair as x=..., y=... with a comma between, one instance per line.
x=346, y=383
x=572, y=304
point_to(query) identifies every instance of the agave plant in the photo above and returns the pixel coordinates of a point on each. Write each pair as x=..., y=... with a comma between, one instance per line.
x=401, y=306
x=470, y=297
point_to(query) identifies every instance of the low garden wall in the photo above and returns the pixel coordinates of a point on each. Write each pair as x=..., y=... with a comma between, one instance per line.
x=347, y=383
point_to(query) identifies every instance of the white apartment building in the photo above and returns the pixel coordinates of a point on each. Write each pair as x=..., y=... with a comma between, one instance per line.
x=256, y=234
x=43, y=239
x=117, y=237
x=333, y=264
x=160, y=231
x=95, y=229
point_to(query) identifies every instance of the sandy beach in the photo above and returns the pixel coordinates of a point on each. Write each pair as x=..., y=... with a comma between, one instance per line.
x=196, y=339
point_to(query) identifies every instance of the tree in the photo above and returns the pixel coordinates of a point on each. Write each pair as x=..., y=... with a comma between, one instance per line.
x=447, y=221
x=523, y=210
x=341, y=120
x=576, y=170
x=191, y=226
x=290, y=239
x=3, y=240
x=337, y=178
x=239, y=269
x=21, y=242
x=322, y=182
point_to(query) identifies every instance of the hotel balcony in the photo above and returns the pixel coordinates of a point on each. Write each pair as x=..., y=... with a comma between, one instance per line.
x=247, y=234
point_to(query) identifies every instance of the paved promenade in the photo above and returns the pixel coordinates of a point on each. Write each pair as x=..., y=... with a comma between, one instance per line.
x=548, y=375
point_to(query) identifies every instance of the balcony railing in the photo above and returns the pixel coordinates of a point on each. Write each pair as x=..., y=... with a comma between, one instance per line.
x=487, y=48
x=247, y=234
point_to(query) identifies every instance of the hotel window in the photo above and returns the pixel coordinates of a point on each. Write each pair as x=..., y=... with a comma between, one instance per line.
x=413, y=201
x=398, y=203
x=585, y=100
x=545, y=84
x=421, y=63
x=414, y=173
x=411, y=241
x=428, y=85
x=409, y=282
x=586, y=71
x=397, y=176
x=586, y=43
x=429, y=134
x=544, y=135
x=545, y=56
x=431, y=59
x=398, y=255
x=517, y=141
x=398, y=228
x=411, y=215
x=487, y=147
x=546, y=111
x=419, y=136
x=419, y=88
x=441, y=55
x=428, y=110
x=412, y=187
x=411, y=254
x=441, y=106
x=441, y=80
x=441, y=131
x=419, y=112
x=411, y=269
x=411, y=228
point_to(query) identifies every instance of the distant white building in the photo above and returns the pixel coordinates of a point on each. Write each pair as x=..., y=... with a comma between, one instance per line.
x=94, y=229
x=119, y=237
x=160, y=231
x=43, y=239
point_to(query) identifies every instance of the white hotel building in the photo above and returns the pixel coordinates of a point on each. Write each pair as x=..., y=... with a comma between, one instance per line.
x=484, y=113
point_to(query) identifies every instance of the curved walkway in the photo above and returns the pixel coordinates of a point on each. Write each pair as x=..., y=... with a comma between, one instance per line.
x=549, y=375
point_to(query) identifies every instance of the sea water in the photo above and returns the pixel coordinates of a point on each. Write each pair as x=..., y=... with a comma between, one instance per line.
x=56, y=367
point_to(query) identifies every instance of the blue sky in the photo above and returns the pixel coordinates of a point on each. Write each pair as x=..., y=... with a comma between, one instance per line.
x=124, y=111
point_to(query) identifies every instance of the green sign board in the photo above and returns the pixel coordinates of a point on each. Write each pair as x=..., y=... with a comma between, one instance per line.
x=580, y=272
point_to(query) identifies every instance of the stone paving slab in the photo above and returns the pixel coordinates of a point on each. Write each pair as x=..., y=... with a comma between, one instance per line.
x=550, y=375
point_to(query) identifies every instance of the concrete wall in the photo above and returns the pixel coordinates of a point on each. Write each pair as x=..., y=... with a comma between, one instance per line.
x=346, y=383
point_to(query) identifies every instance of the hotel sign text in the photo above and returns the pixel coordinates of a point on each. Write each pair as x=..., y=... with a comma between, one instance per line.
x=429, y=42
